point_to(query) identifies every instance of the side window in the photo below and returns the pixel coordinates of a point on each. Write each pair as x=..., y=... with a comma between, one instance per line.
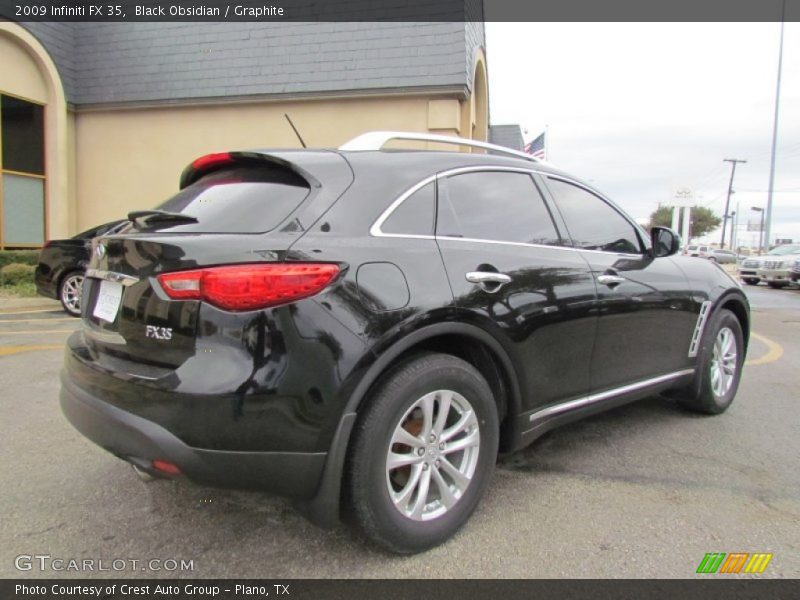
x=593, y=224
x=494, y=205
x=414, y=216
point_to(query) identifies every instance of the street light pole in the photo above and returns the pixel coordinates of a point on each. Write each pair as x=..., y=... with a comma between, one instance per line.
x=726, y=216
x=758, y=209
x=775, y=132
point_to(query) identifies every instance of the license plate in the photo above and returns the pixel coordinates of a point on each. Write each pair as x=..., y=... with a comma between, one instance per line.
x=108, y=301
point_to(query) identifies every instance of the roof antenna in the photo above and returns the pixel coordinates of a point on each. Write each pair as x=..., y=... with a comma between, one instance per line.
x=297, y=133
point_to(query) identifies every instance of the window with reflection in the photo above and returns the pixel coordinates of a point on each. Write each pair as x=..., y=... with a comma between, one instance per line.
x=414, y=216
x=494, y=205
x=593, y=224
x=22, y=173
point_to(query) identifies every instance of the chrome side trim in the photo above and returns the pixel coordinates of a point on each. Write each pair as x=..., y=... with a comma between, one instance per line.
x=702, y=317
x=599, y=397
x=375, y=140
x=125, y=280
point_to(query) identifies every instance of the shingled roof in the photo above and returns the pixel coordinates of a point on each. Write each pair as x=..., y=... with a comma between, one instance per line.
x=121, y=63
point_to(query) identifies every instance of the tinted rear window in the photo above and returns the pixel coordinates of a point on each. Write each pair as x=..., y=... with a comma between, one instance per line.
x=237, y=200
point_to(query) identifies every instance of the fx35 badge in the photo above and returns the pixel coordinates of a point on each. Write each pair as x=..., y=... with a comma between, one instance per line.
x=158, y=333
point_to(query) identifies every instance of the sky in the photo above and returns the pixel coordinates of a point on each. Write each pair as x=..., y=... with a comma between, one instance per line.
x=640, y=109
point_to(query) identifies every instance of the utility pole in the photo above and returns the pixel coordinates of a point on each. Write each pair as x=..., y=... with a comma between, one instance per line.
x=726, y=216
x=768, y=225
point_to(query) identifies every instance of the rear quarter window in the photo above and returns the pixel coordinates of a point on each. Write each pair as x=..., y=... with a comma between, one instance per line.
x=238, y=200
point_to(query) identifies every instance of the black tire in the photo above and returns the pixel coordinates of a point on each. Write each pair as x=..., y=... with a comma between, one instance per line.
x=775, y=285
x=700, y=395
x=712, y=259
x=367, y=479
x=71, y=282
x=751, y=281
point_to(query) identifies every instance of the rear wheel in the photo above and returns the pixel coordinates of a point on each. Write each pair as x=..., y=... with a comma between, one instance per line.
x=69, y=292
x=719, y=367
x=423, y=453
x=776, y=285
x=751, y=280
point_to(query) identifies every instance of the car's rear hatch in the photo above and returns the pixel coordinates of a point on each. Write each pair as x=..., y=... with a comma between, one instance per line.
x=232, y=210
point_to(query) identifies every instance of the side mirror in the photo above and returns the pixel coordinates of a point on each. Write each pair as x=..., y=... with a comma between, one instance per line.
x=665, y=241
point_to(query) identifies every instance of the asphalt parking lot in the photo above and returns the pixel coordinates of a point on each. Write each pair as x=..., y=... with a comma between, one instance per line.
x=643, y=491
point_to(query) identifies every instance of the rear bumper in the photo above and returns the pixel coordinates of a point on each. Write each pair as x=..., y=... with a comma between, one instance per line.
x=45, y=286
x=140, y=441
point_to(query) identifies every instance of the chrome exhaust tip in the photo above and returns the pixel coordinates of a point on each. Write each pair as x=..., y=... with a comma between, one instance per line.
x=142, y=474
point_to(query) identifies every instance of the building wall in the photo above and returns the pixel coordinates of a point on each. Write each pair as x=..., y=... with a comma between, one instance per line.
x=29, y=72
x=121, y=143
x=129, y=159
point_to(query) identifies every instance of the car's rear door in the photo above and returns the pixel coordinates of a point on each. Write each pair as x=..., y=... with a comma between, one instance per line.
x=646, y=312
x=511, y=275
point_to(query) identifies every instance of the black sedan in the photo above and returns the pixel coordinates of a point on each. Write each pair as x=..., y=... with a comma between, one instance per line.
x=62, y=264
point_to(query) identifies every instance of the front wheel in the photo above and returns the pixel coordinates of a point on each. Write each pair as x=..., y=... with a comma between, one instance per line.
x=69, y=292
x=719, y=366
x=751, y=280
x=423, y=453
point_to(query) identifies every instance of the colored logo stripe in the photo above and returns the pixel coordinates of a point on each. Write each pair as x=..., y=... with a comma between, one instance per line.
x=734, y=562
x=711, y=562
x=717, y=561
x=757, y=563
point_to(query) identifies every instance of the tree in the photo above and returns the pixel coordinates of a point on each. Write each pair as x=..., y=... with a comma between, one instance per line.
x=703, y=219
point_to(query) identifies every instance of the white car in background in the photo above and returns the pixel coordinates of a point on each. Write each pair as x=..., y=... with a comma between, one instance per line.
x=774, y=267
x=710, y=253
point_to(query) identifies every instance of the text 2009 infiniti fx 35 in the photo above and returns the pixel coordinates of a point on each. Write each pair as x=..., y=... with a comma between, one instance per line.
x=374, y=326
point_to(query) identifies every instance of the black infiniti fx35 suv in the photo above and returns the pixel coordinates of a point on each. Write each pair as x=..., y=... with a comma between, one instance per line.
x=367, y=329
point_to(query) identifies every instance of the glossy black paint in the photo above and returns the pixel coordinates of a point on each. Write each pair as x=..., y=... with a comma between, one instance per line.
x=291, y=379
x=60, y=257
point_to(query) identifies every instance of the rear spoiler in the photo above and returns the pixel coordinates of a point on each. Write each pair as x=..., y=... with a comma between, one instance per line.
x=211, y=162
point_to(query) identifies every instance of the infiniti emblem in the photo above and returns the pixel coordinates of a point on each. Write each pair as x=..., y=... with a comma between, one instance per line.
x=100, y=250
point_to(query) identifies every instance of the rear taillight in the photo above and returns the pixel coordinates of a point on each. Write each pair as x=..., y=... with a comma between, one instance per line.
x=249, y=287
x=166, y=467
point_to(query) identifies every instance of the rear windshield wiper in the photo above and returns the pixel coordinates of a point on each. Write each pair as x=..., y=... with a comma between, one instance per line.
x=149, y=218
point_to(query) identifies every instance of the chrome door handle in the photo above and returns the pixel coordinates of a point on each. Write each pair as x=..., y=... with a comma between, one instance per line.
x=610, y=280
x=494, y=280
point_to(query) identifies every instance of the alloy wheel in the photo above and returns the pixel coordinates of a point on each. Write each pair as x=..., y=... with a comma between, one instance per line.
x=71, y=293
x=723, y=362
x=432, y=455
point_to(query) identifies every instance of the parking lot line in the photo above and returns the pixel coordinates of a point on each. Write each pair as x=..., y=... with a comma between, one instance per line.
x=37, y=331
x=27, y=312
x=36, y=320
x=774, y=351
x=8, y=350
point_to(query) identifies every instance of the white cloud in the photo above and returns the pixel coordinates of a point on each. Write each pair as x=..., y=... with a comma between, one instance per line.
x=639, y=108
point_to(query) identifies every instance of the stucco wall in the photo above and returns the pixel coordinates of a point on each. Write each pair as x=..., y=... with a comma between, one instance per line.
x=128, y=159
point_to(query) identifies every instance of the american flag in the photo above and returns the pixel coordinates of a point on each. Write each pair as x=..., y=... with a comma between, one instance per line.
x=536, y=147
